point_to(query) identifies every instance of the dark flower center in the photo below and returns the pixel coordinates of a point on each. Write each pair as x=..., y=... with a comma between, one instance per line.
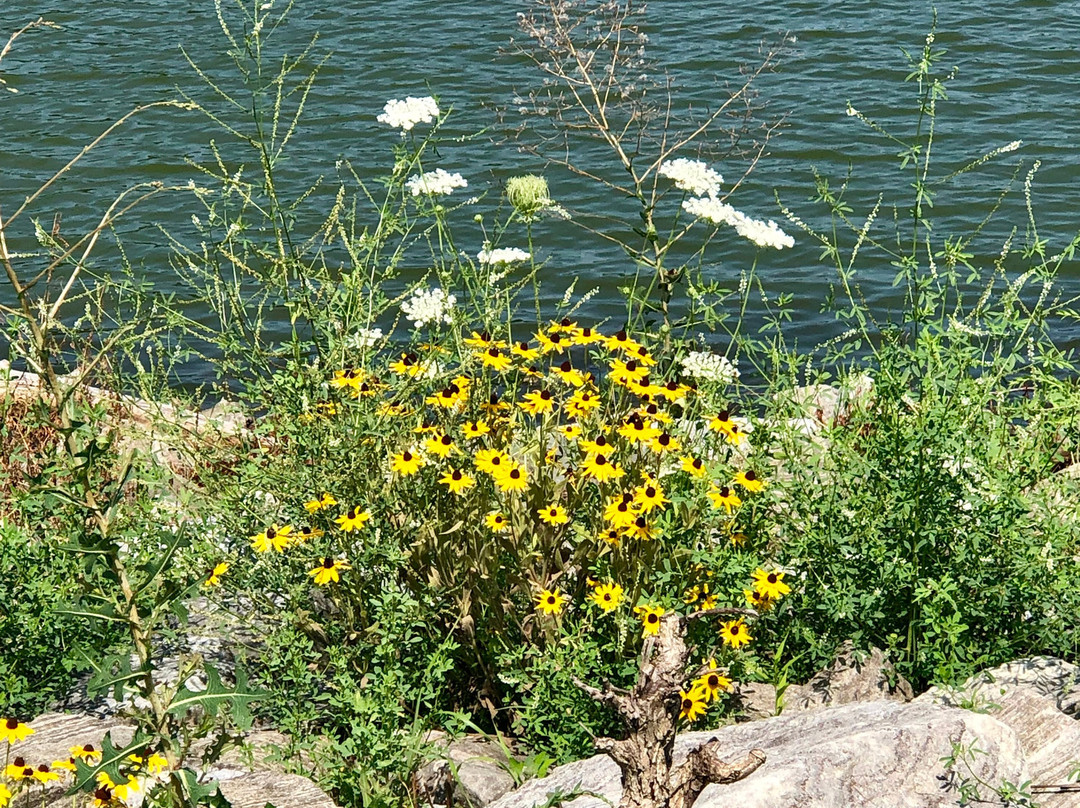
x=713, y=680
x=725, y=492
x=687, y=704
x=351, y=514
x=631, y=366
x=496, y=460
x=750, y=476
x=18, y=763
x=653, y=617
x=665, y=439
x=650, y=492
x=545, y=395
x=723, y=416
x=565, y=367
x=446, y=440
x=42, y=768
x=456, y=475
x=620, y=336
x=484, y=336
x=12, y=723
x=406, y=456
x=607, y=596
x=600, y=460
x=515, y=474
x=523, y=346
x=271, y=533
x=734, y=630
x=640, y=522
x=551, y=599
x=696, y=464
x=328, y=563
x=772, y=578
x=493, y=351
x=601, y=441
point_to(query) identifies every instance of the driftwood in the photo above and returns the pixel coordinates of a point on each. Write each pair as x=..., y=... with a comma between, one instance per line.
x=650, y=712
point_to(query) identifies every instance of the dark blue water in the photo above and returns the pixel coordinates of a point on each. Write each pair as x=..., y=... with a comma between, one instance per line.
x=1016, y=78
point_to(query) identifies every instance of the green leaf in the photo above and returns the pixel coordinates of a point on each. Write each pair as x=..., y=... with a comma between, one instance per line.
x=111, y=758
x=217, y=695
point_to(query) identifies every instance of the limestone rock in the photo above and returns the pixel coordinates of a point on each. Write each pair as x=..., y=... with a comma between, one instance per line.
x=1039, y=699
x=882, y=754
x=468, y=772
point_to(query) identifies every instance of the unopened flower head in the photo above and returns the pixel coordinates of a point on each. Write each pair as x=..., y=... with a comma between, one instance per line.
x=528, y=194
x=406, y=114
x=692, y=175
x=428, y=306
x=435, y=182
x=502, y=255
x=710, y=367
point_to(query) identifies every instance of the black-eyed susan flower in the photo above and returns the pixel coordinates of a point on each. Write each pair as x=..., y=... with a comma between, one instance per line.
x=483, y=341
x=599, y=446
x=12, y=730
x=273, y=538
x=553, y=515
x=550, y=601
x=570, y=431
x=770, y=583
x=512, y=477
x=650, y=618
x=5, y=795
x=654, y=413
x=567, y=374
x=156, y=763
x=600, y=467
x=449, y=396
x=649, y=495
x=637, y=430
x=586, y=336
x=43, y=774
x=348, y=377
x=620, y=511
x=496, y=522
x=611, y=536
x=406, y=463
x=495, y=359
x=103, y=797
x=735, y=633
x=724, y=497
x=86, y=753
x=642, y=529
x=607, y=596
x=18, y=769
x=623, y=373
x=694, y=467
x=64, y=765
x=407, y=365
x=307, y=533
x=749, y=480
x=475, y=429
x=120, y=791
x=756, y=600
x=723, y=422
x=621, y=341
x=365, y=390
x=581, y=403
x=440, y=445
x=553, y=343
x=457, y=481
x=538, y=402
x=329, y=571
x=491, y=461
x=353, y=519
x=673, y=391
x=214, y=578
x=493, y=405
x=523, y=350
x=644, y=388
x=692, y=704
x=664, y=443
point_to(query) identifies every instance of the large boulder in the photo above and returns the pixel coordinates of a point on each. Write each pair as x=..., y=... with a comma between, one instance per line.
x=470, y=772
x=882, y=753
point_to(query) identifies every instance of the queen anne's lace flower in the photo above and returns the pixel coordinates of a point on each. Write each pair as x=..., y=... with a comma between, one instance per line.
x=428, y=306
x=364, y=338
x=406, y=114
x=763, y=234
x=692, y=175
x=435, y=182
x=502, y=255
x=710, y=367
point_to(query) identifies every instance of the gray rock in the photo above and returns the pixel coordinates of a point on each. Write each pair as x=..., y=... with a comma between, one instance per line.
x=1038, y=698
x=853, y=677
x=883, y=754
x=469, y=772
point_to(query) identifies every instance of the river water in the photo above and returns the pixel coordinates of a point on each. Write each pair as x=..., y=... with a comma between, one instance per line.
x=1017, y=67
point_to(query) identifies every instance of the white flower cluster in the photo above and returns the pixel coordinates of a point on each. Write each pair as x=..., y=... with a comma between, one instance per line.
x=406, y=114
x=435, y=182
x=763, y=234
x=502, y=255
x=428, y=306
x=710, y=367
x=364, y=338
x=692, y=175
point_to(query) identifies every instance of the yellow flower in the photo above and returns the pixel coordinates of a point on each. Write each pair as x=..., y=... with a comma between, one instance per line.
x=570, y=431
x=407, y=365
x=18, y=770
x=483, y=341
x=511, y=478
x=476, y=429
x=538, y=402
x=64, y=765
x=620, y=511
x=119, y=790
x=555, y=343
x=496, y=522
x=440, y=445
x=276, y=538
x=641, y=529
x=599, y=446
x=692, y=705
x=353, y=519
x=756, y=600
x=724, y=497
x=523, y=350
x=12, y=731
x=457, y=481
x=724, y=423
x=673, y=391
x=600, y=468
x=694, y=467
x=586, y=336
x=566, y=372
x=156, y=763
x=607, y=596
x=86, y=753
x=495, y=359
x=664, y=443
x=5, y=795
x=328, y=571
x=770, y=584
x=649, y=495
x=581, y=403
x=610, y=536
x=307, y=532
x=749, y=481
x=214, y=579
x=652, y=412
x=650, y=618
x=550, y=601
x=447, y=397
x=620, y=341
x=490, y=461
x=636, y=429
x=43, y=774
x=625, y=372
x=644, y=388
x=347, y=378
x=712, y=682
x=553, y=514
x=406, y=463
x=735, y=634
